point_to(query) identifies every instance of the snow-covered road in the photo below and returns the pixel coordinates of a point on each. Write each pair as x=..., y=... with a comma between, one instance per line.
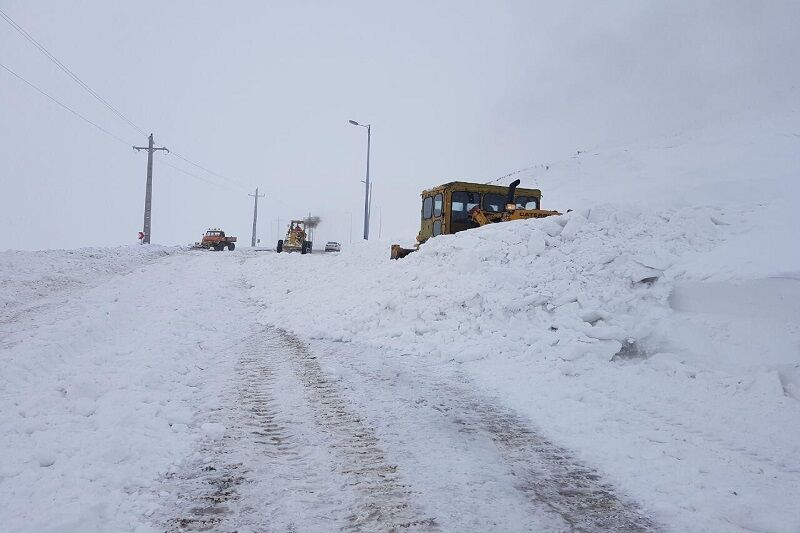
x=154, y=399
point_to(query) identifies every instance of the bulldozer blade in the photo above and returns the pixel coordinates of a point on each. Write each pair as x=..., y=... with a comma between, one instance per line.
x=398, y=252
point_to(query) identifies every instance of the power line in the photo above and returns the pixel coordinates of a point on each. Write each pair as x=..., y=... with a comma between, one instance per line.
x=91, y=91
x=71, y=74
x=65, y=106
x=102, y=129
x=190, y=174
x=186, y=159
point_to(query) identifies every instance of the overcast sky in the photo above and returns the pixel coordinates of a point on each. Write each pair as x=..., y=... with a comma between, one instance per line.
x=261, y=92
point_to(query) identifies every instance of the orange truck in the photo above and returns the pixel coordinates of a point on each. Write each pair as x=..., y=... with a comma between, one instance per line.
x=215, y=239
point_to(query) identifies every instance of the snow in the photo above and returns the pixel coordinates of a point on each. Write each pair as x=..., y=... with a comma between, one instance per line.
x=658, y=335
x=99, y=393
x=650, y=337
x=29, y=277
x=682, y=390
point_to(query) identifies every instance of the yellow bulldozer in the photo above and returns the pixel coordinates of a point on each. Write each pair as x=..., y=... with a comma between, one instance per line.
x=460, y=205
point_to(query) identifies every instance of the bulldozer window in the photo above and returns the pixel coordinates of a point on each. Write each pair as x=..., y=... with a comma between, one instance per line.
x=427, y=207
x=527, y=202
x=437, y=205
x=494, y=202
x=461, y=203
x=437, y=227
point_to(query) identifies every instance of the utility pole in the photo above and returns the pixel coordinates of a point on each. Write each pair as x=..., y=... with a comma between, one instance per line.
x=369, y=210
x=255, y=196
x=367, y=187
x=148, y=195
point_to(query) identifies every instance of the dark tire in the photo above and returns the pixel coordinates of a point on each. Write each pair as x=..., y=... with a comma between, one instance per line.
x=219, y=247
x=310, y=247
x=304, y=247
x=280, y=246
x=231, y=246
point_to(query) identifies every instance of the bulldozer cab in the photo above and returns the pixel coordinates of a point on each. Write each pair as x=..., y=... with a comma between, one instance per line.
x=446, y=208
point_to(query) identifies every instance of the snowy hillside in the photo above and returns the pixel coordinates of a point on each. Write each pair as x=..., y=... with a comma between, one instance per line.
x=747, y=165
x=631, y=365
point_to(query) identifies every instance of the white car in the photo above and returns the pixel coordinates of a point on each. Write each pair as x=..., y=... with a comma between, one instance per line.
x=333, y=247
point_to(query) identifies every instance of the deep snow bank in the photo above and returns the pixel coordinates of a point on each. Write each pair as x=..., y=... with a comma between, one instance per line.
x=591, y=283
x=28, y=276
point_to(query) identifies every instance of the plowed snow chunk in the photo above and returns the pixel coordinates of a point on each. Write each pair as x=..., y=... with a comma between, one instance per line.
x=574, y=224
x=536, y=242
x=603, y=350
x=656, y=260
x=605, y=333
x=593, y=315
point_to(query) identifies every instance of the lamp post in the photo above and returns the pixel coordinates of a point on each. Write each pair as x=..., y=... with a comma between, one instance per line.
x=367, y=187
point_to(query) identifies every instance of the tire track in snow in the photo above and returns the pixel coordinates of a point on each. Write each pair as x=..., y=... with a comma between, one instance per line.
x=294, y=457
x=549, y=477
x=205, y=493
x=263, y=474
x=292, y=488
x=747, y=455
x=384, y=502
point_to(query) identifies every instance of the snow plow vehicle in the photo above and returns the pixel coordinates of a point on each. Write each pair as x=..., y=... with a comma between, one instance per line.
x=215, y=239
x=460, y=205
x=296, y=239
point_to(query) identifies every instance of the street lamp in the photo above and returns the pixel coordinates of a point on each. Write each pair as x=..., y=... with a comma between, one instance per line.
x=367, y=188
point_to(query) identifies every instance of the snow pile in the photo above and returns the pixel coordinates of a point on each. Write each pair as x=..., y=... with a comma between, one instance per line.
x=589, y=283
x=102, y=385
x=29, y=276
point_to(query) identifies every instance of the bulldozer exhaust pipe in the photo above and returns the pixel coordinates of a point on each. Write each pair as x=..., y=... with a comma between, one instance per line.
x=512, y=189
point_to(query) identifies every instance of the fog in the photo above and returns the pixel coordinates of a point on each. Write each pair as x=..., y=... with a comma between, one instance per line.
x=260, y=93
